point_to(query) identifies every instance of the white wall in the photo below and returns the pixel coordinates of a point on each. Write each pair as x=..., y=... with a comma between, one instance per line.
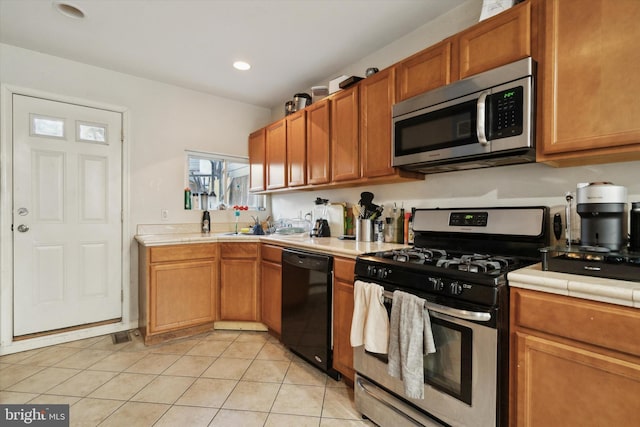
x=164, y=121
x=531, y=184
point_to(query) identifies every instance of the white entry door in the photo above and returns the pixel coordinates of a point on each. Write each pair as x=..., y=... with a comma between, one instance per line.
x=67, y=226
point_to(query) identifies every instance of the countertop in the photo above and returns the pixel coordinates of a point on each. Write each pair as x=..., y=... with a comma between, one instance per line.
x=330, y=245
x=612, y=291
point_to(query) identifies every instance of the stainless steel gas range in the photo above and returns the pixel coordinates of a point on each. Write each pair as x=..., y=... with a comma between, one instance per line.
x=459, y=266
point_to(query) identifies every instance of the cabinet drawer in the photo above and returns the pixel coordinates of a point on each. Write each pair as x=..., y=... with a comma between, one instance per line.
x=238, y=250
x=601, y=324
x=343, y=269
x=183, y=252
x=272, y=253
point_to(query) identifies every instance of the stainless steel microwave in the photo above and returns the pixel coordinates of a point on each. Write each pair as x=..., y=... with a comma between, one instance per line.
x=484, y=120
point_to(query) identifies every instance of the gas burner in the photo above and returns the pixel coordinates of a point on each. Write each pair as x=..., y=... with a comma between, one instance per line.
x=476, y=263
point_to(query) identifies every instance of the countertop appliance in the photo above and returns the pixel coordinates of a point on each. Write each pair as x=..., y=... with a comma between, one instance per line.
x=459, y=265
x=307, y=280
x=484, y=120
x=592, y=261
x=602, y=207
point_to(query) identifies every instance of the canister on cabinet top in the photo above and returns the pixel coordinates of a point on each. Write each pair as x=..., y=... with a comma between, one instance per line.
x=634, y=234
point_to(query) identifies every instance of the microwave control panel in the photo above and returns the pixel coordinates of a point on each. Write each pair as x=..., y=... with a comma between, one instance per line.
x=506, y=111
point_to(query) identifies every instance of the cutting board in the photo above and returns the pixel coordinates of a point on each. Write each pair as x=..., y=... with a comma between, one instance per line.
x=335, y=214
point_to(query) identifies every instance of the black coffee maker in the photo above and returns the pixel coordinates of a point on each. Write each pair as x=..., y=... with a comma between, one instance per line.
x=320, y=222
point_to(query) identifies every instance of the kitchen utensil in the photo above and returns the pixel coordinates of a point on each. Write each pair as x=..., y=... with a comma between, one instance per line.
x=289, y=107
x=364, y=230
x=301, y=100
x=371, y=71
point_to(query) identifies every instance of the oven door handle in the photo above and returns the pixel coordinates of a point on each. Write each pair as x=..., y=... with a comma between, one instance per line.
x=477, y=316
x=481, y=113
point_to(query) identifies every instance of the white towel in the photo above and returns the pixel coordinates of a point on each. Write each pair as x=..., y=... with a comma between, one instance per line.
x=370, y=322
x=410, y=338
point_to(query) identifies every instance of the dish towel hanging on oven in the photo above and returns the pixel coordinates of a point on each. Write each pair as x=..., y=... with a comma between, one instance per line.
x=410, y=338
x=370, y=322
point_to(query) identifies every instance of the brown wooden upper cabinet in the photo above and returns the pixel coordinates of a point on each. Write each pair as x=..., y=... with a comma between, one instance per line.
x=257, y=160
x=296, y=149
x=276, y=155
x=426, y=70
x=377, y=96
x=345, y=141
x=589, y=80
x=318, y=143
x=499, y=40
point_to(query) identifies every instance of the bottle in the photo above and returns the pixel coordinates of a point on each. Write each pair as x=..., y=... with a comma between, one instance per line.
x=411, y=235
x=195, y=204
x=187, y=198
x=206, y=222
x=400, y=227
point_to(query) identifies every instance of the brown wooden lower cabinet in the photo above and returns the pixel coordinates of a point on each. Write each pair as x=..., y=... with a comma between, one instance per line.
x=343, y=273
x=573, y=362
x=177, y=290
x=271, y=278
x=239, y=282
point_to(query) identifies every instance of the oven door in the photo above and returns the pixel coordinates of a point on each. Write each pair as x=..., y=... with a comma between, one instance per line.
x=460, y=378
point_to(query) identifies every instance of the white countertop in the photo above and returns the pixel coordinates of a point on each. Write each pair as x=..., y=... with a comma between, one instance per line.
x=330, y=245
x=612, y=291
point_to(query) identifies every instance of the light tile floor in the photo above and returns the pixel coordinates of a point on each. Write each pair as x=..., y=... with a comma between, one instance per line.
x=221, y=378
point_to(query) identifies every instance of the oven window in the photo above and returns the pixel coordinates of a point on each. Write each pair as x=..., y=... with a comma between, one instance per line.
x=449, y=368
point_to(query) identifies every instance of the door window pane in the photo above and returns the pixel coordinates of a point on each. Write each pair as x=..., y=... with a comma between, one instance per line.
x=91, y=132
x=46, y=126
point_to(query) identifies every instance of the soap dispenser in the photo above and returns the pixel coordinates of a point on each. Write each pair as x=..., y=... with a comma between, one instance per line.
x=206, y=222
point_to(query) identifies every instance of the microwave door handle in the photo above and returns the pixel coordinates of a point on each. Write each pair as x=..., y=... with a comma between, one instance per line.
x=481, y=119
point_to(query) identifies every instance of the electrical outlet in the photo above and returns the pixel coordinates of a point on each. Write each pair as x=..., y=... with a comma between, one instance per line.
x=164, y=214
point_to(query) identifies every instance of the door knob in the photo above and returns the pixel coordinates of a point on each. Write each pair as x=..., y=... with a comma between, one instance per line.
x=23, y=228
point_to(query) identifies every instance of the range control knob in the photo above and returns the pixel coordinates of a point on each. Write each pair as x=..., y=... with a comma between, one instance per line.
x=383, y=273
x=372, y=270
x=436, y=284
x=455, y=288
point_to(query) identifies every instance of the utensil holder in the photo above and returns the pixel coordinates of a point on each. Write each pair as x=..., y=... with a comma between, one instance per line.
x=364, y=230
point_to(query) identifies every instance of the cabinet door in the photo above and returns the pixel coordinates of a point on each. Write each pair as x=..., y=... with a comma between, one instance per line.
x=297, y=149
x=239, y=292
x=318, y=143
x=181, y=294
x=342, y=316
x=563, y=385
x=271, y=275
x=499, y=40
x=377, y=95
x=256, y=160
x=276, y=155
x=590, y=84
x=426, y=70
x=345, y=148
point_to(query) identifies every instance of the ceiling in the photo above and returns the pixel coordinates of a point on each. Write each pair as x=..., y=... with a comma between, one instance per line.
x=291, y=44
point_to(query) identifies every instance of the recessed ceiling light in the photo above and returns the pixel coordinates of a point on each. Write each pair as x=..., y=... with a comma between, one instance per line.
x=68, y=10
x=241, y=65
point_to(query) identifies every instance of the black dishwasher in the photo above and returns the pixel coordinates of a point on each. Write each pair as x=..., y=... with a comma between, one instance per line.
x=306, y=307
